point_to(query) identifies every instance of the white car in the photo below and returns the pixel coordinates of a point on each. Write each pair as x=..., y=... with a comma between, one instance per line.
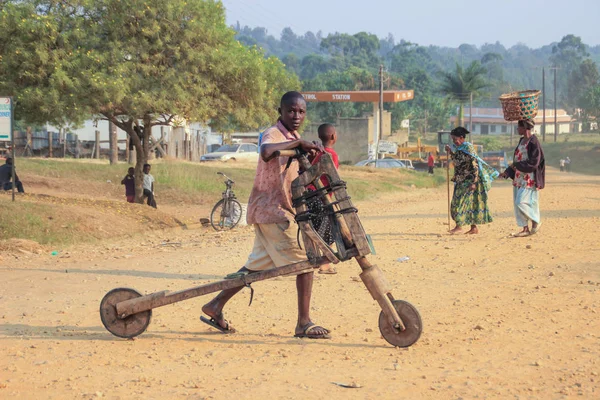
x=385, y=163
x=407, y=162
x=233, y=152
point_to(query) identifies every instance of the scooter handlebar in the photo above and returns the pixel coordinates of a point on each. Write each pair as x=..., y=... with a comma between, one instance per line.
x=285, y=153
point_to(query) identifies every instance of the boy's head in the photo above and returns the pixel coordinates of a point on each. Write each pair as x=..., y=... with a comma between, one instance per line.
x=292, y=110
x=130, y=171
x=147, y=168
x=327, y=134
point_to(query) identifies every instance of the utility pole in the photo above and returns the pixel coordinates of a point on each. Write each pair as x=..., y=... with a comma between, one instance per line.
x=555, y=119
x=470, y=115
x=380, y=133
x=544, y=104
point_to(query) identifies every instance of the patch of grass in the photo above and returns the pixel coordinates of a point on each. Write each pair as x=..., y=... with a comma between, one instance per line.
x=176, y=181
x=365, y=183
x=583, y=150
x=185, y=182
x=23, y=220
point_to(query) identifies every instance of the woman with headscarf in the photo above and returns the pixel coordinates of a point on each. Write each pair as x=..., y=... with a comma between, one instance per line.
x=472, y=180
x=528, y=172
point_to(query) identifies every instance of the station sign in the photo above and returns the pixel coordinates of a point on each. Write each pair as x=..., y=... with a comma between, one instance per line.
x=370, y=96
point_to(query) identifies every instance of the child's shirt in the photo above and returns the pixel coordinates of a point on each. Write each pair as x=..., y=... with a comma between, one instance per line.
x=334, y=158
x=333, y=154
x=148, y=181
x=129, y=182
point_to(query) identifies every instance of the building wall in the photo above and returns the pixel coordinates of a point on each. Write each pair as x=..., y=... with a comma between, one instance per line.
x=490, y=121
x=564, y=127
x=353, y=137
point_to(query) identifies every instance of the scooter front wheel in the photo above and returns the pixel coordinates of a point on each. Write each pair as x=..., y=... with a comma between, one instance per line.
x=412, y=321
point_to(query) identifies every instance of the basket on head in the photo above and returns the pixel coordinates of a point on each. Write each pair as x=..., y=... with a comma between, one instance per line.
x=520, y=105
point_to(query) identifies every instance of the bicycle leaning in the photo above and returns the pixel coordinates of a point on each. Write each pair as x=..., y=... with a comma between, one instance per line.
x=226, y=214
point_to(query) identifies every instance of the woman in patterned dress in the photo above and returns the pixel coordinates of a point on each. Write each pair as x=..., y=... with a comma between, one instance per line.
x=472, y=180
x=528, y=172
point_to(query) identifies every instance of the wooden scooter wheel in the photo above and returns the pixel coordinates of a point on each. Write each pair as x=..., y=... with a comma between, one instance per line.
x=128, y=327
x=412, y=321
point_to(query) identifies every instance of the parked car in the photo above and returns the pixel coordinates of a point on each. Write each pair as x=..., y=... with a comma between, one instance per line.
x=407, y=162
x=385, y=163
x=233, y=152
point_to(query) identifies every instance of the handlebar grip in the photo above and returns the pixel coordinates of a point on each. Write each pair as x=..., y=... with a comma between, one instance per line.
x=285, y=153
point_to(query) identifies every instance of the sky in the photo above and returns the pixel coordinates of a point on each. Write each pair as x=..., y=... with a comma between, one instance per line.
x=448, y=23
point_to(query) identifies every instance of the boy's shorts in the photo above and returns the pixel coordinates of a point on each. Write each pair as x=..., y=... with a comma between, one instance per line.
x=275, y=245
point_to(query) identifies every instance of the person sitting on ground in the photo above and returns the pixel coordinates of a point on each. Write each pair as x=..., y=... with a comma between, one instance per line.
x=328, y=136
x=271, y=213
x=6, y=176
x=148, y=186
x=528, y=172
x=472, y=180
x=129, y=182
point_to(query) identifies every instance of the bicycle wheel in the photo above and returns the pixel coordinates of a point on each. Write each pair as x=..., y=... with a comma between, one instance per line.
x=226, y=215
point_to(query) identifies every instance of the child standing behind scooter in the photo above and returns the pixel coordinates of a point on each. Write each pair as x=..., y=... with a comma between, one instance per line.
x=328, y=136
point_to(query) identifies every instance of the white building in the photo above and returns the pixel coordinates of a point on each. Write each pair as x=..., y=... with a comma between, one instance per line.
x=490, y=121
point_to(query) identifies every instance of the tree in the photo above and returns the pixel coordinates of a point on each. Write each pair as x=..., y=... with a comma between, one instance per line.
x=352, y=78
x=136, y=64
x=581, y=79
x=567, y=56
x=569, y=53
x=590, y=104
x=461, y=83
x=313, y=65
x=359, y=50
x=292, y=63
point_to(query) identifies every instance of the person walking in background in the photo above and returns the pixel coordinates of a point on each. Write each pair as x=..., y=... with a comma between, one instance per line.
x=6, y=177
x=148, y=186
x=472, y=180
x=561, y=164
x=430, y=163
x=568, y=164
x=528, y=172
x=129, y=182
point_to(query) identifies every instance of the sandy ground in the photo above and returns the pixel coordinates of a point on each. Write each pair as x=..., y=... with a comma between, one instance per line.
x=503, y=317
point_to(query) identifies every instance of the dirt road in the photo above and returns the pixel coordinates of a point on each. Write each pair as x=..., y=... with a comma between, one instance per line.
x=503, y=317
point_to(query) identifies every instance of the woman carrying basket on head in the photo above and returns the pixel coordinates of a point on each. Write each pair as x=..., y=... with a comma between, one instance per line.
x=528, y=172
x=472, y=180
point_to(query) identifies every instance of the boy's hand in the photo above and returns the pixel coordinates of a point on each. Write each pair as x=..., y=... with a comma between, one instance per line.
x=310, y=146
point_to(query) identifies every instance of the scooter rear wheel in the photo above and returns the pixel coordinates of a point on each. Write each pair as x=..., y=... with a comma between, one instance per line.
x=412, y=321
x=127, y=327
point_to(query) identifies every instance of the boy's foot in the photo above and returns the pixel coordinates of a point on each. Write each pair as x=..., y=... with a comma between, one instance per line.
x=328, y=270
x=472, y=231
x=217, y=319
x=312, y=331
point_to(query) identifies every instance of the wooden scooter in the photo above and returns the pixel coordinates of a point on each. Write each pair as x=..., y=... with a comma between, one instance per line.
x=126, y=313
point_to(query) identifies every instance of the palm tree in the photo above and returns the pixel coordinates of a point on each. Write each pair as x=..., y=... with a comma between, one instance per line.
x=459, y=84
